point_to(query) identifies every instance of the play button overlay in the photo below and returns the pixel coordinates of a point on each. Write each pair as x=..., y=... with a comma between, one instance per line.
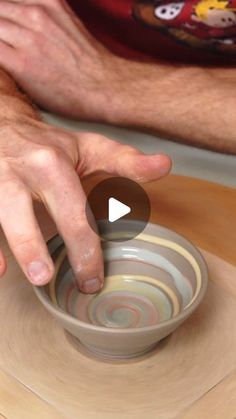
x=120, y=207
x=117, y=210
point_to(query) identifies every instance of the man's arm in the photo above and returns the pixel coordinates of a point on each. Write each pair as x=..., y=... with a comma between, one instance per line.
x=79, y=78
x=190, y=104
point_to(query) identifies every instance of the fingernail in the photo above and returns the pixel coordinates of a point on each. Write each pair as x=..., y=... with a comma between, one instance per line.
x=38, y=272
x=166, y=164
x=91, y=286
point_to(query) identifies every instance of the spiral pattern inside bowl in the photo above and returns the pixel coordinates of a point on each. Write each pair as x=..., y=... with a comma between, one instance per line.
x=149, y=280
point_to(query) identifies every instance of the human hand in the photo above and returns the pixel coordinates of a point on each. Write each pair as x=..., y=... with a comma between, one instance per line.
x=47, y=50
x=41, y=162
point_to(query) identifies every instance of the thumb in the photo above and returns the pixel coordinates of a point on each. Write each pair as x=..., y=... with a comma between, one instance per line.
x=141, y=167
x=101, y=154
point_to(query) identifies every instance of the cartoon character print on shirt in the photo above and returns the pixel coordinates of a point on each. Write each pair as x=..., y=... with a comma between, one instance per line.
x=209, y=24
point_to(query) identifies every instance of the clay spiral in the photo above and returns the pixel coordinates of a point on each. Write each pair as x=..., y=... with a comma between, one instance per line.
x=130, y=297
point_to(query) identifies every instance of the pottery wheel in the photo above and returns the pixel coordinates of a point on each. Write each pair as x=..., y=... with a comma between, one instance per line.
x=191, y=374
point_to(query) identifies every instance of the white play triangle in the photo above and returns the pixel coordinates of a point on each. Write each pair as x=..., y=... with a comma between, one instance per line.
x=117, y=210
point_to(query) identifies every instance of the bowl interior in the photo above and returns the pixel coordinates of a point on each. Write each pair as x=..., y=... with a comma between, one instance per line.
x=148, y=280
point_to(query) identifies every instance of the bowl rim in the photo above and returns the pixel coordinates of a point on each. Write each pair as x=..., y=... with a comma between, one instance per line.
x=66, y=317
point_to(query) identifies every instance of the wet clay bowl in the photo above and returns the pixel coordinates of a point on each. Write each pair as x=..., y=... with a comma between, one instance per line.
x=152, y=284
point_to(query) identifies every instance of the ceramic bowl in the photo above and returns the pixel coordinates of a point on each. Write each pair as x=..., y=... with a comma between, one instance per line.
x=152, y=284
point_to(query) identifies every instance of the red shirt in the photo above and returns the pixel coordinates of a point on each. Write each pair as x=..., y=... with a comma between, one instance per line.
x=190, y=30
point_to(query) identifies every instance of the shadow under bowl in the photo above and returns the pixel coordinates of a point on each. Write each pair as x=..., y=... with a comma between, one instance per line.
x=152, y=284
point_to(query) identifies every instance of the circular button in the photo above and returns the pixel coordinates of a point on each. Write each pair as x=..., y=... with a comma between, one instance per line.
x=121, y=209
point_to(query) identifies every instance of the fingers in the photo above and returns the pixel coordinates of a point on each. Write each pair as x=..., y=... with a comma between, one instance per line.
x=62, y=13
x=33, y=18
x=139, y=167
x=12, y=12
x=11, y=33
x=117, y=159
x=66, y=203
x=23, y=233
x=34, y=14
x=58, y=11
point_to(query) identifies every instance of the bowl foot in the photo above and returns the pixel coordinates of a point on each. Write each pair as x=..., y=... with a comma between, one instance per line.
x=93, y=353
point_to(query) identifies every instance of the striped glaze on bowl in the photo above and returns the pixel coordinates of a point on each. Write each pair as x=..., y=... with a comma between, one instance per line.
x=152, y=284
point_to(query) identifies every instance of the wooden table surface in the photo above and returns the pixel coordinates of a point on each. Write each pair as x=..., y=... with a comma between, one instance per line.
x=192, y=374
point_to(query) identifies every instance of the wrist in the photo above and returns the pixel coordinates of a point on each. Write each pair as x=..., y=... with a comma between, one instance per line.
x=96, y=95
x=130, y=89
x=13, y=103
x=13, y=108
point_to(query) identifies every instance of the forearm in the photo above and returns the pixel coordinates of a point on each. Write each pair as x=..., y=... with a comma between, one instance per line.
x=182, y=103
x=13, y=104
x=78, y=78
